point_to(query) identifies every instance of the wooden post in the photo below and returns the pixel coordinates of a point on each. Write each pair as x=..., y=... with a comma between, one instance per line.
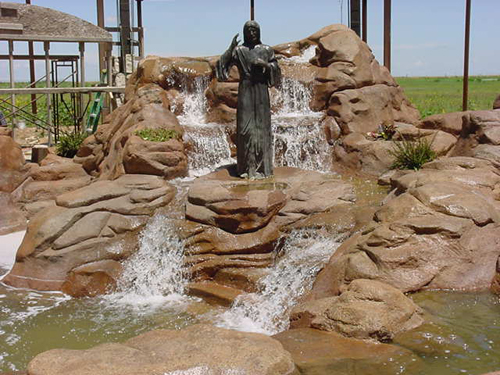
x=141, y=29
x=466, y=56
x=31, y=52
x=125, y=32
x=46, y=46
x=101, y=24
x=355, y=16
x=387, y=34
x=364, y=21
x=82, y=80
x=12, y=85
x=252, y=10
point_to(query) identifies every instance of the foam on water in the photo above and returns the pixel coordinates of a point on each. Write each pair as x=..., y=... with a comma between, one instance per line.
x=306, y=55
x=154, y=275
x=305, y=253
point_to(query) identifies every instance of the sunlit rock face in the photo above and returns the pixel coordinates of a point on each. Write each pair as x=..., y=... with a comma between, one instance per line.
x=94, y=223
x=200, y=349
x=438, y=229
x=117, y=147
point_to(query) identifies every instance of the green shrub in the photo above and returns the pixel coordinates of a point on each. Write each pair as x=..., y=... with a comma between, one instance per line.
x=69, y=143
x=412, y=154
x=157, y=135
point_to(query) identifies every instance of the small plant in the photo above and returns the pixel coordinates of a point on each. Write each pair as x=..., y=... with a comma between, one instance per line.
x=69, y=143
x=412, y=154
x=157, y=135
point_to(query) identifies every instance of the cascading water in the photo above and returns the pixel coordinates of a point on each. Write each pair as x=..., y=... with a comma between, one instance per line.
x=209, y=146
x=305, y=253
x=155, y=273
x=298, y=138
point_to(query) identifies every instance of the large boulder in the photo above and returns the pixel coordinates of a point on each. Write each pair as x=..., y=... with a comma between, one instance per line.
x=117, y=148
x=319, y=352
x=93, y=223
x=440, y=230
x=199, y=349
x=366, y=309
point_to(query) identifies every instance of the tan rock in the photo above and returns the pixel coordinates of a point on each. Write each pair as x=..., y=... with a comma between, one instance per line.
x=12, y=218
x=92, y=279
x=210, y=350
x=213, y=293
x=363, y=110
x=367, y=309
x=319, y=352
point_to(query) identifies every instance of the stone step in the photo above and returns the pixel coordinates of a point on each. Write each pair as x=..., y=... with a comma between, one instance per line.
x=246, y=279
x=213, y=293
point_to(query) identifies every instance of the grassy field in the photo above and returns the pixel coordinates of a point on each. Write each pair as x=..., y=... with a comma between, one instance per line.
x=433, y=95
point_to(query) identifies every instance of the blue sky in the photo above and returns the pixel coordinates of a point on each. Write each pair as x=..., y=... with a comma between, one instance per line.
x=427, y=35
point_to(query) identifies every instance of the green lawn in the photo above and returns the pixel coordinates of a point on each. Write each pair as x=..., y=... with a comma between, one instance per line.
x=433, y=95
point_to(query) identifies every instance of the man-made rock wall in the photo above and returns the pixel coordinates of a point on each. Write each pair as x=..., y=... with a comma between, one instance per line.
x=116, y=149
x=94, y=223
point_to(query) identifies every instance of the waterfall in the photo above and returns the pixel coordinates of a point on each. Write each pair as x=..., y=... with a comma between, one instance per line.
x=208, y=145
x=155, y=273
x=299, y=140
x=305, y=253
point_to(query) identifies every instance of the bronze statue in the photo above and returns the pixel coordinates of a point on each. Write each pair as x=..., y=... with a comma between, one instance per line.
x=258, y=70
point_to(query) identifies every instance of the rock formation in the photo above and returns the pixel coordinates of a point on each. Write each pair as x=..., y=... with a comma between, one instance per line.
x=94, y=223
x=199, y=349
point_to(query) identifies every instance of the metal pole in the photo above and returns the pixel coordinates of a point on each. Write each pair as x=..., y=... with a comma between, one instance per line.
x=466, y=55
x=46, y=46
x=252, y=10
x=364, y=21
x=387, y=34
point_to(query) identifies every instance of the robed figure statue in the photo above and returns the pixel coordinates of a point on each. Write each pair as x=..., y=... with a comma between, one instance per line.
x=258, y=70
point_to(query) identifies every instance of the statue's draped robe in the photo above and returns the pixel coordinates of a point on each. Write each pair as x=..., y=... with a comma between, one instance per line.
x=254, y=137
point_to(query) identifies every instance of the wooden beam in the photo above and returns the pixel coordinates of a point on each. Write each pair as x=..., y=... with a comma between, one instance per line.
x=252, y=10
x=46, y=47
x=141, y=29
x=40, y=57
x=465, y=97
x=61, y=90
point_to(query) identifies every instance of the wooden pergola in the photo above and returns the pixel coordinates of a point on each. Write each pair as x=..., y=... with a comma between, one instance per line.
x=26, y=23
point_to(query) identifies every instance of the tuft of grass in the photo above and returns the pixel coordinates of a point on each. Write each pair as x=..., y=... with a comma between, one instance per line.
x=69, y=143
x=412, y=154
x=157, y=135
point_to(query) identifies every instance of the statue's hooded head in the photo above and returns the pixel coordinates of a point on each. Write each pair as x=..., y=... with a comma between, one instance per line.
x=251, y=33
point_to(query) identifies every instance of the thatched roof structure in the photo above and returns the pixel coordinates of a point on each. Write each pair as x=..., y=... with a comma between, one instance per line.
x=35, y=23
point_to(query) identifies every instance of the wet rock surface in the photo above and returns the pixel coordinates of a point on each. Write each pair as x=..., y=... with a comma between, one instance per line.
x=86, y=225
x=240, y=220
x=201, y=348
x=317, y=352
